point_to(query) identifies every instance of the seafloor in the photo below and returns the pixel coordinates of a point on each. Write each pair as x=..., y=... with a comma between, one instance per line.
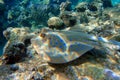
x=32, y=30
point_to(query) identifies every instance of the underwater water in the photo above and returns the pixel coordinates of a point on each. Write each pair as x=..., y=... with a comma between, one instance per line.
x=84, y=35
x=1, y=49
x=115, y=2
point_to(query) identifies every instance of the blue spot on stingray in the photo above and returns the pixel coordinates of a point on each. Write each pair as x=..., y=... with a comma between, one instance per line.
x=61, y=40
x=61, y=47
x=56, y=43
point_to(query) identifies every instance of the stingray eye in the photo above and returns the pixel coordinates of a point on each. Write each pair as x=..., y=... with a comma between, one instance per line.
x=42, y=35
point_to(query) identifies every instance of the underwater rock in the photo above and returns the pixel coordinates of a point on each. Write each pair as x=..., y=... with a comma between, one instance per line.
x=14, y=53
x=114, y=14
x=107, y=29
x=84, y=18
x=7, y=32
x=84, y=79
x=55, y=23
x=16, y=47
x=14, y=67
x=37, y=76
x=94, y=6
x=65, y=6
x=69, y=18
x=116, y=37
x=81, y=7
x=43, y=71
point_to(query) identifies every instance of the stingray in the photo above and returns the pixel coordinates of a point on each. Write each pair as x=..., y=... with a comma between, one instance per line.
x=67, y=45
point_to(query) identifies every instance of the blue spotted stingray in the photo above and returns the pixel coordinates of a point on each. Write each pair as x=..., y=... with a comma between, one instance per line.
x=66, y=46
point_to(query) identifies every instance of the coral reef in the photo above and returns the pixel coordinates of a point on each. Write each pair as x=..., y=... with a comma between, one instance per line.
x=2, y=6
x=90, y=65
x=65, y=6
x=69, y=18
x=81, y=7
x=29, y=12
x=16, y=47
x=84, y=32
x=55, y=23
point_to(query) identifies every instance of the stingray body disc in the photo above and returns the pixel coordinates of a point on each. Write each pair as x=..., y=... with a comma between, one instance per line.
x=61, y=47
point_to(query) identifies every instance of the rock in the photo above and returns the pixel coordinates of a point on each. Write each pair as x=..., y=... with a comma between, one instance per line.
x=65, y=6
x=55, y=23
x=14, y=53
x=116, y=37
x=113, y=14
x=84, y=79
x=7, y=32
x=93, y=6
x=84, y=18
x=59, y=76
x=16, y=47
x=81, y=7
x=37, y=76
x=14, y=67
x=70, y=19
